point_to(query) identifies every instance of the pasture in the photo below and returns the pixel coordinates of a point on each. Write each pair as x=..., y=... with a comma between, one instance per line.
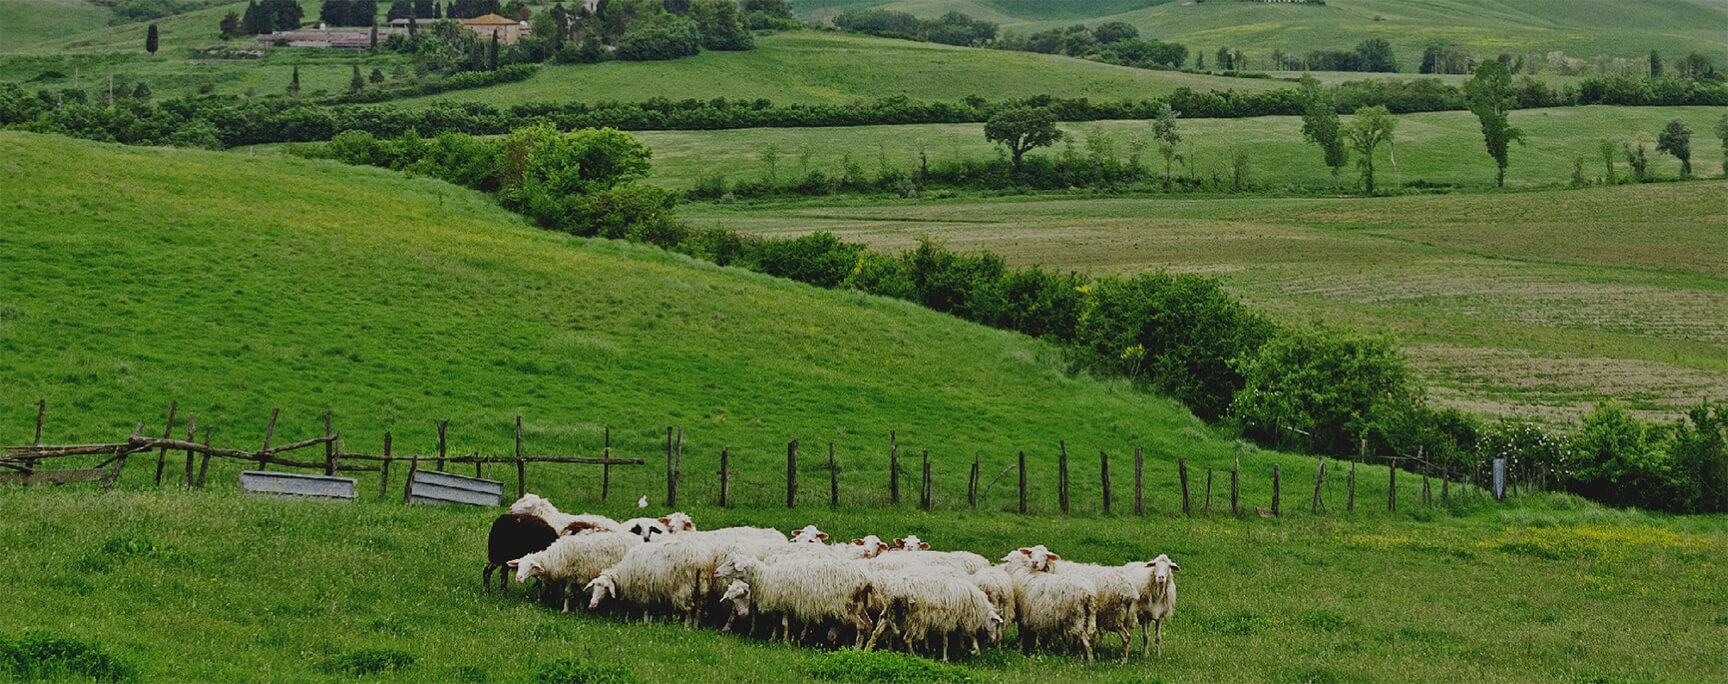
x=1510, y=303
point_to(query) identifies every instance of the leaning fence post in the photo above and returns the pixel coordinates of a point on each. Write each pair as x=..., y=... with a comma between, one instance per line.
x=833, y=479
x=1062, y=476
x=441, y=425
x=1022, y=468
x=1207, y=509
x=329, y=448
x=1275, y=486
x=191, y=435
x=1139, y=463
x=521, y=468
x=725, y=478
x=1104, y=476
x=1350, y=490
x=792, y=474
x=1391, y=484
x=972, y=484
x=1445, y=484
x=168, y=432
x=408, y=484
x=269, y=432
x=1182, y=473
x=41, y=407
x=924, y=484
x=384, y=471
x=893, y=469
x=1235, y=485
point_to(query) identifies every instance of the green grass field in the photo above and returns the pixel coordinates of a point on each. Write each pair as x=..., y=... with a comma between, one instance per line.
x=27, y=22
x=1581, y=28
x=1520, y=303
x=237, y=283
x=1439, y=147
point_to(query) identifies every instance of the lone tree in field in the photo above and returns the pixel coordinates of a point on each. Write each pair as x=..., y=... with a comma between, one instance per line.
x=1164, y=131
x=1368, y=129
x=152, y=40
x=1320, y=126
x=294, y=83
x=1676, y=139
x=356, y=84
x=1489, y=95
x=1722, y=132
x=1022, y=129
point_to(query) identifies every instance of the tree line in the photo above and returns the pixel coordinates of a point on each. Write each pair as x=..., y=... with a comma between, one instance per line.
x=1317, y=389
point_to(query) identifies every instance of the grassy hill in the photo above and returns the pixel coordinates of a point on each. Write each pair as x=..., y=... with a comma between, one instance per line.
x=1582, y=28
x=27, y=22
x=236, y=283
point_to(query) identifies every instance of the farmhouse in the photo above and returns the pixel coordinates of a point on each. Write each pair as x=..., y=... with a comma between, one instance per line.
x=509, y=30
x=356, y=38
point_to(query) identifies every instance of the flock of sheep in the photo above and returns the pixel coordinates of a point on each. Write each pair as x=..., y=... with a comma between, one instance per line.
x=868, y=591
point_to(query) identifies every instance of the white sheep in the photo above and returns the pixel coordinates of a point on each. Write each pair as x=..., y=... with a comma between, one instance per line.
x=1157, y=596
x=1055, y=606
x=962, y=562
x=919, y=603
x=574, y=560
x=809, y=535
x=813, y=590
x=1117, y=597
x=663, y=574
x=999, y=588
x=646, y=528
x=536, y=505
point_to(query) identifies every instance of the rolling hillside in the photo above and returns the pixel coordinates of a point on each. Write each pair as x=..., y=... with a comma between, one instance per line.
x=1582, y=28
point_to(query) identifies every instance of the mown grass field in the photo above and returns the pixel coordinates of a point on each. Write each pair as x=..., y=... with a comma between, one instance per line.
x=1438, y=147
x=1511, y=303
x=210, y=586
x=1581, y=28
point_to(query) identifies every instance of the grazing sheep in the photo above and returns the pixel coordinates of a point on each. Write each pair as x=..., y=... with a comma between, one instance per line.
x=1117, y=597
x=999, y=588
x=574, y=560
x=536, y=505
x=649, y=578
x=809, y=535
x=513, y=535
x=645, y=528
x=919, y=604
x=1055, y=606
x=870, y=546
x=1157, y=597
x=678, y=522
x=962, y=562
x=814, y=590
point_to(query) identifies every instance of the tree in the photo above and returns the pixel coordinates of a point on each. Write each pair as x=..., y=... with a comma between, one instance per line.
x=1697, y=67
x=294, y=83
x=492, y=52
x=356, y=84
x=1022, y=129
x=1164, y=131
x=1676, y=139
x=1320, y=126
x=230, y=27
x=142, y=92
x=1636, y=158
x=1722, y=132
x=152, y=40
x=1115, y=31
x=1655, y=64
x=1376, y=55
x=1489, y=95
x=334, y=12
x=1370, y=127
x=377, y=75
x=374, y=35
x=1608, y=152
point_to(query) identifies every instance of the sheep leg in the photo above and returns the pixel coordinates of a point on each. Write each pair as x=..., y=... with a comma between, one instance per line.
x=486, y=578
x=1086, y=645
x=1158, y=638
x=786, y=627
x=1145, y=639
x=1027, y=640
x=881, y=625
x=1127, y=641
x=944, y=648
x=974, y=645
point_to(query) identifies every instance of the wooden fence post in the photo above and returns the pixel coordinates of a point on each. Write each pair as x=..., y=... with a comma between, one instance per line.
x=1319, y=480
x=384, y=471
x=893, y=469
x=191, y=435
x=1445, y=484
x=725, y=478
x=1139, y=464
x=162, y=454
x=972, y=484
x=1207, y=509
x=792, y=474
x=329, y=448
x=41, y=407
x=1235, y=485
x=441, y=425
x=671, y=477
x=1391, y=484
x=606, y=467
x=1104, y=476
x=833, y=479
x=1275, y=487
x=1182, y=474
x=269, y=432
x=1022, y=483
x=1062, y=476
x=924, y=484
x=1350, y=490
x=521, y=468
x=408, y=484
x=204, y=463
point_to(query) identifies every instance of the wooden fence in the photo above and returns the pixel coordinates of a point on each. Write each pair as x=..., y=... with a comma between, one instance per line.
x=18, y=465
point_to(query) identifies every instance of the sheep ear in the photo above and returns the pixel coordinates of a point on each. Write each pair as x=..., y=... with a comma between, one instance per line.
x=1026, y=551
x=899, y=542
x=859, y=542
x=665, y=521
x=1175, y=568
x=1055, y=557
x=822, y=535
x=514, y=563
x=924, y=546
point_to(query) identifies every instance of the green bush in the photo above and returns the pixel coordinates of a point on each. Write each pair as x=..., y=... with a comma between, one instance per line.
x=574, y=671
x=820, y=259
x=38, y=657
x=659, y=36
x=1319, y=389
x=1618, y=458
x=887, y=667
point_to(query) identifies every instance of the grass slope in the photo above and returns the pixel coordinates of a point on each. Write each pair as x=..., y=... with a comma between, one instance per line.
x=27, y=22
x=1519, y=303
x=1582, y=28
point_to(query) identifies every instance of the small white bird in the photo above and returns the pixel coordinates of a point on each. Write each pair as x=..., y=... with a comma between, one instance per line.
x=642, y=502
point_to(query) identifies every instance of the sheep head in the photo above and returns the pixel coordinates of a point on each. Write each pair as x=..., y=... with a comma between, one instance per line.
x=532, y=504
x=645, y=528
x=738, y=592
x=736, y=566
x=678, y=522
x=911, y=543
x=809, y=535
x=870, y=546
x=599, y=588
x=1162, y=567
x=526, y=567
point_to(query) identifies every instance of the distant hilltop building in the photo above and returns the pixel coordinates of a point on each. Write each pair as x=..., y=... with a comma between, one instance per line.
x=509, y=31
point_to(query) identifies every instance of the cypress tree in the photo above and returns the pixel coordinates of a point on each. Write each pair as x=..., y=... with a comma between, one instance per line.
x=294, y=84
x=356, y=84
x=152, y=40
x=492, y=52
x=374, y=33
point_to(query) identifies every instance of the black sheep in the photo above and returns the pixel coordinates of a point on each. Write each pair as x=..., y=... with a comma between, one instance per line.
x=513, y=536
